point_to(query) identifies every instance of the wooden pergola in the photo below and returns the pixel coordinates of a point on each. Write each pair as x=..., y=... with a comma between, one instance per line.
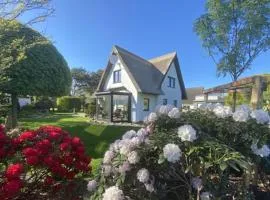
x=256, y=83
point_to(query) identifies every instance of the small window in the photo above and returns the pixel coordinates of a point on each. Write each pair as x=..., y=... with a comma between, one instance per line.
x=171, y=82
x=146, y=104
x=165, y=101
x=117, y=76
x=175, y=103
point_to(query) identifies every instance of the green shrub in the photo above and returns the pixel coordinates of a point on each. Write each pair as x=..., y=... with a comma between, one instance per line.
x=91, y=108
x=68, y=103
x=44, y=104
x=4, y=109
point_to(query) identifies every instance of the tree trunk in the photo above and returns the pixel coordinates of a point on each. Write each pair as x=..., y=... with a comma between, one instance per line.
x=234, y=100
x=14, y=110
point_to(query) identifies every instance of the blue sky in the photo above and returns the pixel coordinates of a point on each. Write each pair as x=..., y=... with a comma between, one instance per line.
x=84, y=31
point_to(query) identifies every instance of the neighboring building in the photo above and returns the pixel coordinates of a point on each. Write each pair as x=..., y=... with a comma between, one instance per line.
x=131, y=87
x=191, y=95
x=195, y=97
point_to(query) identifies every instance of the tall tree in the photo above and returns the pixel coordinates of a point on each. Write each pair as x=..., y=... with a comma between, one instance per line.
x=30, y=64
x=14, y=9
x=234, y=32
x=84, y=81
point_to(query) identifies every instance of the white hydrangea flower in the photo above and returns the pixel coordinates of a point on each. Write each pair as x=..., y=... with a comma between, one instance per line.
x=136, y=141
x=205, y=196
x=240, y=115
x=115, y=146
x=143, y=175
x=261, y=116
x=107, y=170
x=91, y=186
x=187, y=133
x=243, y=107
x=264, y=151
x=109, y=155
x=172, y=153
x=133, y=157
x=152, y=117
x=165, y=109
x=203, y=106
x=222, y=111
x=142, y=133
x=129, y=134
x=197, y=183
x=210, y=106
x=113, y=193
x=126, y=148
x=149, y=187
x=174, y=113
x=124, y=167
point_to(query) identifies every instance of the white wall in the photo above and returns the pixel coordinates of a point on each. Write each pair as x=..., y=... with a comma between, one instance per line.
x=171, y=94
x=141, y=114
x=125, y=82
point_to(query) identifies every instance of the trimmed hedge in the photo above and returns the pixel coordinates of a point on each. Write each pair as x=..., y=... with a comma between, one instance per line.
x=68, y=103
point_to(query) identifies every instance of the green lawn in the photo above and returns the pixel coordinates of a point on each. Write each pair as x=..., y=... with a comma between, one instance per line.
x=96, y=137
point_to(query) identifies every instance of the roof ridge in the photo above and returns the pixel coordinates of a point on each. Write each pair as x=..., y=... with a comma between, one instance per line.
x=132, y=54
x=163, y=56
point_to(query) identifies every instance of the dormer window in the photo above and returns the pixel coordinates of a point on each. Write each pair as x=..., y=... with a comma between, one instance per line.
x=117, y=76
x=171, y=83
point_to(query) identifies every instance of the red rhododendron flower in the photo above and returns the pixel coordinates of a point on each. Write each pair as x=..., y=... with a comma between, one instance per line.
x=13, y=186
x=14, y=171
x=2, y=128
x=54, y=135
x=76, y=141
x=70, y=175
x=64, y=146
x=67, y=160
x=29, y=151
x=49, y=160
x=28, y=135
x=32, y=160
x=49, y=180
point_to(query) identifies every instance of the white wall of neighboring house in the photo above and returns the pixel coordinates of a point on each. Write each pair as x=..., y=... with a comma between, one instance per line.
x=24, y=101
x=171, y=94
x=125, y=82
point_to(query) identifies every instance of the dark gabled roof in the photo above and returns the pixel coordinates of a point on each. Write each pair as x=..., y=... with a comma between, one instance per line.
x=147, y=75
x=191, y=93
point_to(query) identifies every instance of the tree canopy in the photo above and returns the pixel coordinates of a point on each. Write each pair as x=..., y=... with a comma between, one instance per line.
x=234, y=32
x=84, y=81
x=29, y=63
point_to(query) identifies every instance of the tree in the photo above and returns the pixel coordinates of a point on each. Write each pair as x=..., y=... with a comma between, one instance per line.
x=14, y=9
x=241, y=98
x=234, y=32
x=84, y=81
x=30, y=64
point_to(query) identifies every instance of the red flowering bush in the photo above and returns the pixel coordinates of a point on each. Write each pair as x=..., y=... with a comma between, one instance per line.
x=44, y=161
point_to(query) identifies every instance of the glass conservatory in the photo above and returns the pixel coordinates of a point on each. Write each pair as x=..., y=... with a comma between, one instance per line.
x=113, y=106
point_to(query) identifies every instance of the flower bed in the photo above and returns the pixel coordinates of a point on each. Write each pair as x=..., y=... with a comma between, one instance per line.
x=208, y=153
x=46, y=163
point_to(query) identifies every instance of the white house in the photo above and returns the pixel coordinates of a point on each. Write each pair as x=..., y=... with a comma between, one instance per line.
x=131, y=87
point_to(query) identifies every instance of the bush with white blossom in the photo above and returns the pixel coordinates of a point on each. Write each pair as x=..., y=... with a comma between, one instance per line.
x=191, y=155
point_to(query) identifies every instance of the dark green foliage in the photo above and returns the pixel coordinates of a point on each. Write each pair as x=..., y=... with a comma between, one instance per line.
x=68, y=103
x=234, y=32
x=30, y=64
x=84, y=81
x=44, y=104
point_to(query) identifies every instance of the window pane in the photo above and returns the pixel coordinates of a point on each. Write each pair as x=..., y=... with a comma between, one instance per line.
x=175, y=103
x=145, y=104
x=164, y=101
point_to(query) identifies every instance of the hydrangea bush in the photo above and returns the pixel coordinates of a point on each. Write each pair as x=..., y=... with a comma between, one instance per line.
x=207, y=153
x=46, y=163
